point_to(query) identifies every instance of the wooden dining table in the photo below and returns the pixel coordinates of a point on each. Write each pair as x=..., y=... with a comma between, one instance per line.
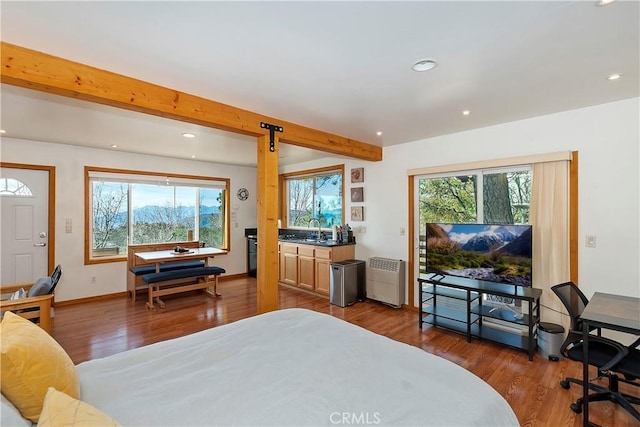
x=169, y=256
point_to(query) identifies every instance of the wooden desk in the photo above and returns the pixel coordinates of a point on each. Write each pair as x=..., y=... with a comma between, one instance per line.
x=607, y=311
x=194, y=254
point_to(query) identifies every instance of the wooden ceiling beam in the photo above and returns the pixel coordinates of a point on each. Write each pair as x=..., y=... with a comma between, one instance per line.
x=39, y=71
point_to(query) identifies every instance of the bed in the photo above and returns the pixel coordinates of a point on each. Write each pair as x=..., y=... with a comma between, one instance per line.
x=292, y=367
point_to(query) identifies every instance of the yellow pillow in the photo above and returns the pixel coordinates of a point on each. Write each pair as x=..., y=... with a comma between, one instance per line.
x=31, y=361
x=62, y=410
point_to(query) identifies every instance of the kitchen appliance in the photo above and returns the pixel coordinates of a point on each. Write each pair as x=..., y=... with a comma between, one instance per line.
x=252, y=251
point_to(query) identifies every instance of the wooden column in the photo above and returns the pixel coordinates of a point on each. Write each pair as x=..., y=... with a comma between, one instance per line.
x=267, y=225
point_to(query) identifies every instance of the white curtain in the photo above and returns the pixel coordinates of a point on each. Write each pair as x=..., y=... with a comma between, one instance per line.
x=550, y=218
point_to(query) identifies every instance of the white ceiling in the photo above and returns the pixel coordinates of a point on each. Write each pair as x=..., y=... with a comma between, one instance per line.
x=340, y=67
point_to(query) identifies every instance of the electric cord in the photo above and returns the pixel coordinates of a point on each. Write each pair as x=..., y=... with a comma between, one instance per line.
x=553, y=309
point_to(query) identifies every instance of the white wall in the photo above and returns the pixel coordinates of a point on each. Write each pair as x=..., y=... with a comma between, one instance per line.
x=607, y=139
x=70, y=162
x=606, y=136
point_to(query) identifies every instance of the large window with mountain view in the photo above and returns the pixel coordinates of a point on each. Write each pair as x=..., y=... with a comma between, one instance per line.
x=314, y=195
x=129, y=207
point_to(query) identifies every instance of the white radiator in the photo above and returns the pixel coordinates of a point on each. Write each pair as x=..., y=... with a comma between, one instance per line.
x=385, y=280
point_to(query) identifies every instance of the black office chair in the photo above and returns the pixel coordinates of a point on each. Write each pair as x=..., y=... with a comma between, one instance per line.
x=604, y=353
x=629, y=368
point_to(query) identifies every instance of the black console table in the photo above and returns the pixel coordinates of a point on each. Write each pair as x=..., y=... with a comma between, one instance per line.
x=456, y=303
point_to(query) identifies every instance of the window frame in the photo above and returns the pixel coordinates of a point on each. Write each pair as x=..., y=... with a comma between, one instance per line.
x=479, y=173
x=88, y=170
x=307, y=173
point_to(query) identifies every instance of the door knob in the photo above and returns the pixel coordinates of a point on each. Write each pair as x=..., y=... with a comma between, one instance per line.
x=39, y=244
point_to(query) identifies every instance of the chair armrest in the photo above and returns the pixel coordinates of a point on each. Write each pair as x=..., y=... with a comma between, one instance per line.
x=5, y=289
x=41, y=305
x=574, y=339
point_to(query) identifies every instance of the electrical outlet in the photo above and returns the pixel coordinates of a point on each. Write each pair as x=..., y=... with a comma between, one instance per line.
x=362, y=229
x=402, y=231
x=93, y=280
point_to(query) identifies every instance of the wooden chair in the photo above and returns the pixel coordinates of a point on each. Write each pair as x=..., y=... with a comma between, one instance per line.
x=37, y=308
x=30, y=307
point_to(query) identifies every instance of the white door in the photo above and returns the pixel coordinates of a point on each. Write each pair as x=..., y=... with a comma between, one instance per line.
x=24, y=201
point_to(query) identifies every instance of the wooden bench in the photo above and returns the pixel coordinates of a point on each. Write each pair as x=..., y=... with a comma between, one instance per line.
x=137, y=268
x=181, y=280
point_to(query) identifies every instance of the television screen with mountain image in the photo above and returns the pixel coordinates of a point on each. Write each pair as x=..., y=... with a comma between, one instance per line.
x=495, y=253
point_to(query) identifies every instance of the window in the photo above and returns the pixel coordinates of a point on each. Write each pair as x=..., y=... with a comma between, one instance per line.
x=314, y=194
x=142, y=207
x=490, y=196
x=13, y=187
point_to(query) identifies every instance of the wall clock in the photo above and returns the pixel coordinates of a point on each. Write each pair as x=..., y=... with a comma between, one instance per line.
x=243, y=194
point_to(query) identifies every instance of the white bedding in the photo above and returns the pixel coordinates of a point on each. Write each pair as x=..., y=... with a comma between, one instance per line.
x=290, y=367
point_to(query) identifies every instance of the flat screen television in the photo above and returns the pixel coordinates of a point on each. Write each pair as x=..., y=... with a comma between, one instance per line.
x=495, y=253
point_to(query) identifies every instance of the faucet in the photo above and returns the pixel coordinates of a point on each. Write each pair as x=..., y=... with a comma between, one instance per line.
x=316, y=220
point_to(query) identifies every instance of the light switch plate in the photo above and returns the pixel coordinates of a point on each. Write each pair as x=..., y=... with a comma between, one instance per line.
x=591, y=241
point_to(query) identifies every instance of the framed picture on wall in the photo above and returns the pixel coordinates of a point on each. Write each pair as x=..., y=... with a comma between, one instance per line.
x=357, y=194
x=357, y=175
x=357, y=213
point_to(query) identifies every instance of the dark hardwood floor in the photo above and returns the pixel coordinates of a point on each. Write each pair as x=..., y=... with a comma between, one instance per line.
x=100, y=328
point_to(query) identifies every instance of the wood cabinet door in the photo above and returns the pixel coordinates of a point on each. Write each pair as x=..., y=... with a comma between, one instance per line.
x=323, y=274
x=306, y=272
x=290, y=269
x=281, y=266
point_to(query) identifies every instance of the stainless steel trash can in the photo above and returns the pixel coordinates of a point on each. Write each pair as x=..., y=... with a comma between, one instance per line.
x=347, y=282
x=550, y=339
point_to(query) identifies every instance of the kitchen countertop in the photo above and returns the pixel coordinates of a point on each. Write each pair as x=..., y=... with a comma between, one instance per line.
x=313, y=242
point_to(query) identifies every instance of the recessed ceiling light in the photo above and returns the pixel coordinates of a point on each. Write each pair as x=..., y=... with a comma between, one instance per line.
x=466, y=112
x=424, y=64
x=193, y=156
x=378, y=133
x=614, y=76
x=114, y=145
x=3, y=131
x=189, y=135
x=604, y=2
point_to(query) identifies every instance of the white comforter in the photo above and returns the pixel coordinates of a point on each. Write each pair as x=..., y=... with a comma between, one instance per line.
x=291, y=367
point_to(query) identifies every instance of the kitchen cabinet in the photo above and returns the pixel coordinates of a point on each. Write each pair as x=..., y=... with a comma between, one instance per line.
x=323, y=270
x=289, y=267
x=308, y=266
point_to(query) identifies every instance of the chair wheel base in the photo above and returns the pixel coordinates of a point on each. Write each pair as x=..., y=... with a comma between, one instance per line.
x=565, y=384
x=576, y=407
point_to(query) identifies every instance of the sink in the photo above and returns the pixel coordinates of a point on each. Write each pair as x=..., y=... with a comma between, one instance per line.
x=312, y=240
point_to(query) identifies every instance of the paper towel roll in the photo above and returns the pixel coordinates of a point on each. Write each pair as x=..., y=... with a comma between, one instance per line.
x=334, y=233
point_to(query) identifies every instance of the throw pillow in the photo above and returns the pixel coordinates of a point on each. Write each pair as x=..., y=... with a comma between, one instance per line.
x=31, y=361
x=41, y=287
x=62, y=410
